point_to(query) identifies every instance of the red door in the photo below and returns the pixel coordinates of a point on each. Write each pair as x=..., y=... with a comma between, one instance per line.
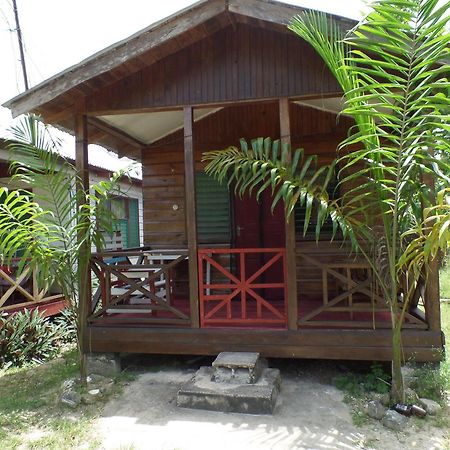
x=257, y=227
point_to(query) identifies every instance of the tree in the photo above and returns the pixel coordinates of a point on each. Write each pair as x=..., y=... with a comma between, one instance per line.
x=42, y=220
x=392, y=70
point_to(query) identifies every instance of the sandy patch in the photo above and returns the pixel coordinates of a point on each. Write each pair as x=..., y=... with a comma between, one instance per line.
x=311, y=415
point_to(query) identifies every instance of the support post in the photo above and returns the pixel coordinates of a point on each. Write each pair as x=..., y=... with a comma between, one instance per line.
x=84, y=273
x=291, y=263
x=432, y=294
x=191, y=214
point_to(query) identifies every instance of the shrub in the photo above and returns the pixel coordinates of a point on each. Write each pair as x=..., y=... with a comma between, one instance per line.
x=67, y=322
x=432, y=381
x=357, y=384
x=27, y=337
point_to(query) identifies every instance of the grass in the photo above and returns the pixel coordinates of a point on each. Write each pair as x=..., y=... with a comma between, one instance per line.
x=30, y=414
x=444, y=279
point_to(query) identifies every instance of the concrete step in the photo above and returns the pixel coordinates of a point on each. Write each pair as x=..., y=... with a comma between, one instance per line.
x=238, y=367
x=257, y=398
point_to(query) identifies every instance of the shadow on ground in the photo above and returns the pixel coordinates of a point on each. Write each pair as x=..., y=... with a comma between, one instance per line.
x=311, y=413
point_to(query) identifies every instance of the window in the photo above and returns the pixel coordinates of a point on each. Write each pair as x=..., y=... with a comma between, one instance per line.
x=213, y=210
x=125, y=213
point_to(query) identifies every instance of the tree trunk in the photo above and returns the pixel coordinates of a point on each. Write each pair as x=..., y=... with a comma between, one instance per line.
x=398, y=391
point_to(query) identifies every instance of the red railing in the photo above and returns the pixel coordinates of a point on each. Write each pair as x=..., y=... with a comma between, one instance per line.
x=249, y=290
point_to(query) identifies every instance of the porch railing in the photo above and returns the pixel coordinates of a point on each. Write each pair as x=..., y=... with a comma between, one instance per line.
x=243, y=287
x=137, y=286
x=22, y=290
x=350, y=298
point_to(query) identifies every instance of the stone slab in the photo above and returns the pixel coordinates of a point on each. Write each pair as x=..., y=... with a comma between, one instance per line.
x=236, y=360
x=203, y=393
x=105, y=364
x=238, y=367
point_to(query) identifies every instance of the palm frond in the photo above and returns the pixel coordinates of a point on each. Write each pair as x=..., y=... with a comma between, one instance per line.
x=266, y=165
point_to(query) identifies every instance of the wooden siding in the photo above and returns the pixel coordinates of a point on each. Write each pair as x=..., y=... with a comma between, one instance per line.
x=239, y=62
x=163, y=173
x=372, y=345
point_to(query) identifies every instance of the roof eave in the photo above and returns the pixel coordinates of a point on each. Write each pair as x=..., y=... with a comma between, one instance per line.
x=114, y=55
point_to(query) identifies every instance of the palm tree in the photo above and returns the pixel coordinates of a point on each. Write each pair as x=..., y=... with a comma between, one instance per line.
x=42, y=221
x=392, y=70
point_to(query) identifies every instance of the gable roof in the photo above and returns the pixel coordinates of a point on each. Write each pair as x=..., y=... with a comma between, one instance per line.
x=151, y=44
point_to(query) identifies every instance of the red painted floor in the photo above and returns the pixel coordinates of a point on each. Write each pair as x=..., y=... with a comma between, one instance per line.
x=267, y=319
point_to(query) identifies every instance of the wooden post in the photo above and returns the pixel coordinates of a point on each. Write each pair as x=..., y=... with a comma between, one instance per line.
x=84, y=273
x=191, y=214
x=291, y=263
x=432, y=294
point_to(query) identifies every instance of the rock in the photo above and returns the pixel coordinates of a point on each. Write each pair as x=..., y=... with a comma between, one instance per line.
x=91, y=396
x=70, y=398
x=70, y=395
x=96, y=381
x=394, y=421
x=384, y=399
x=411, y=396
x=409, y=377
x=103, y=364
x=95, y=378
x=430, y=406
x=69, y=384
x=375, y=409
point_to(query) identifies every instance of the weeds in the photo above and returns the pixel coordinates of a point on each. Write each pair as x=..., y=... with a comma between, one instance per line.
x=431, y=381
x=31, y=415
x=357, y=385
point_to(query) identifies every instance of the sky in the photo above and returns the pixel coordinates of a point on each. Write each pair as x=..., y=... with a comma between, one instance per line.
x=60, y=33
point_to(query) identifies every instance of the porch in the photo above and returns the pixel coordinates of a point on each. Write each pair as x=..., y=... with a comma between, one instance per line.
x=142, y=302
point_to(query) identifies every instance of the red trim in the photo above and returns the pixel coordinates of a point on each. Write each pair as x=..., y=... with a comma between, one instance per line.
x=232, y=308
x=52, y=308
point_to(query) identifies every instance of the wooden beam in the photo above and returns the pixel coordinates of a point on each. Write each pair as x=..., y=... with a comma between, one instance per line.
x=116, y=132
x=432, y=294
x=355, y=344
x=292, y=300
x=276, y=12
x=84, y=272
x=213, y=105
x=191, y=213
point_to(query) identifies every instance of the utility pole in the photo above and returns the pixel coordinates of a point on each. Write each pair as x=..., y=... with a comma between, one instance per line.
x=19, y=38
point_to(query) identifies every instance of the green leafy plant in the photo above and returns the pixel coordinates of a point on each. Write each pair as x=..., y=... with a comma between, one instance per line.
x=392, y=71
x=432, y=381
x=67, y=321
x=44, y=220
x=357, y=384
x=26, y=337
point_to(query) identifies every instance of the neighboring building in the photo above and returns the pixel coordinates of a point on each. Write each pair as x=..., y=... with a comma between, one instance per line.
x=222, y=273
x=127, y=212
x=126, y=207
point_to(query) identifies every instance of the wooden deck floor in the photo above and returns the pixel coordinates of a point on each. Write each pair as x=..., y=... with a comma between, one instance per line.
x=326, y=319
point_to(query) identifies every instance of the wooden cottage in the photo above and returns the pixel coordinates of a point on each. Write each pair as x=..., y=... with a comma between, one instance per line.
x=217, y=272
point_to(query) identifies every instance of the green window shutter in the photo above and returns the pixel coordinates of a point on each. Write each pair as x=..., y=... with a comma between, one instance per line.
x=213, y=210
x=133, y=221
x=122, y=226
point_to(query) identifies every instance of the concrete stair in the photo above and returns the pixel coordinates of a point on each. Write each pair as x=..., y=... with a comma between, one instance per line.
x=237, y=382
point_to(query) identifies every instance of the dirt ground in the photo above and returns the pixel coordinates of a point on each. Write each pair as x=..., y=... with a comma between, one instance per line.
x=311, y=414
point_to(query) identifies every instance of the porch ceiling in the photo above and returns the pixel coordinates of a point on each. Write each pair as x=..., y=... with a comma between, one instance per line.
x=332, y=104
x=152, y=126
x=149, y=127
